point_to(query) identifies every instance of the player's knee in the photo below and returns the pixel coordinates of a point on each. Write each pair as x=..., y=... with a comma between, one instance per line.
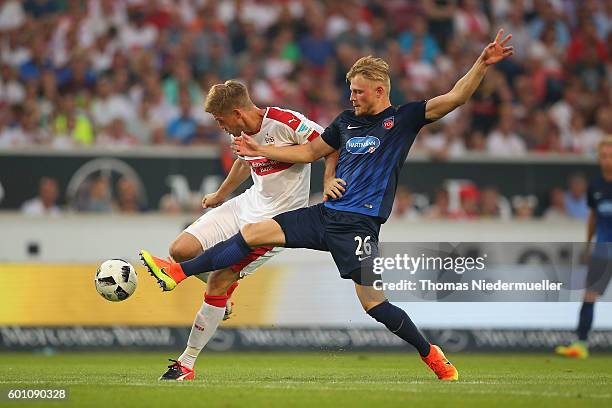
x=262, y=233
x=249, y=233
x=367, y=306
x=181, y=252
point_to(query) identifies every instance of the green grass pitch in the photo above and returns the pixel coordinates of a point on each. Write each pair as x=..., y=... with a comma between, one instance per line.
x=329, y=379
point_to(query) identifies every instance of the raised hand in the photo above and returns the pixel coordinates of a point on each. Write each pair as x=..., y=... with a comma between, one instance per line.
x=497, y=50
x=245, y=145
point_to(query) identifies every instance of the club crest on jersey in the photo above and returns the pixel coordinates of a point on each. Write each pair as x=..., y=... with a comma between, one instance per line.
x=269, y=139
x=389, y=122
x=362, y=145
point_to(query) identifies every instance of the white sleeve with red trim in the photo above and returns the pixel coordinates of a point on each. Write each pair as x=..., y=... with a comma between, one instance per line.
x=294, y=127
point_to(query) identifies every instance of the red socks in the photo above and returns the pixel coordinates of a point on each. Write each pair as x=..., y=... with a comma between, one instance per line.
x=220, y=300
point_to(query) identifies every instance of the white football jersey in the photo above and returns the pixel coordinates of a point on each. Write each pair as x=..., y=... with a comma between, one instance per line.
x=279, y=187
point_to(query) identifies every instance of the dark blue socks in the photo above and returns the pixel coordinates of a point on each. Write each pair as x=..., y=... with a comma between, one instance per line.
x=398, y=322
x=222, y=255
x=586, y=321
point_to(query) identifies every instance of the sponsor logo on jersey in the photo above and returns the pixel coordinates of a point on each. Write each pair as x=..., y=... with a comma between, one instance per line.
x=263, y=167
x=389, y=122
x=362, y=145
x=303, y=130
x=605, y=207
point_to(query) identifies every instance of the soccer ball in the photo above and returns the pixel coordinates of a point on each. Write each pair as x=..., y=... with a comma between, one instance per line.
x=116, y=280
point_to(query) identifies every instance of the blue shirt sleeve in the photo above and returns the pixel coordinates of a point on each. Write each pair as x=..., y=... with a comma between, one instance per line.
x=331, y=134
x=412, y=115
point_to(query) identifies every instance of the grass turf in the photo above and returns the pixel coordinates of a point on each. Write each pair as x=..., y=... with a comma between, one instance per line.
x=311, y=380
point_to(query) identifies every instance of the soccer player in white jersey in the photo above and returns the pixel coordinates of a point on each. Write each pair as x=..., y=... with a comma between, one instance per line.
x=277, y=187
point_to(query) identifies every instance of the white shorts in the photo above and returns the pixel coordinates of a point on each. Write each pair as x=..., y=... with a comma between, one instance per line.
x=223, y=222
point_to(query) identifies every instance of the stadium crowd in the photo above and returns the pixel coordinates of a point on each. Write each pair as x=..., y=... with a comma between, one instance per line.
x=135, y=72
x=465, y=201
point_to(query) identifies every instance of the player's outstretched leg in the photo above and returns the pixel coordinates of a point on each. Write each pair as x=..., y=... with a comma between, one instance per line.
x=185, y=247
x=168, y=274
x=398, y=322
x=205, y=324
x=220, y=256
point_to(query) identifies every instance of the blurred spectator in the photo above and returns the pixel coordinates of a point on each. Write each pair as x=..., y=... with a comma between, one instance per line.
x=552, y=142
x=97, y=196
x=32, y=69
x=471, y=21
x=108, y=104
x=469, y=201
x=578, y=138
x=182, y=129
x=556, y=209
x=12, y=90
x=168, y=204
x=548, y=16
x=440, y=209
x=12, y=15
x=71, y=125
x=46, y=201
x=440, y=18
x=477, y=142
x=128, y=196
x=116, y=134
x=112, y=57
x=447, y=143
x=504, y=141
x=490, y=203
x=419, y=34
x=137, y=33
x=315, y=48
x=576, y=197
x=524, y=206
x=403, y=206
x=181, y=78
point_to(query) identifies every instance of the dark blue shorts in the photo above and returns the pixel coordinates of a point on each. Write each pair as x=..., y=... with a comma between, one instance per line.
x=351, y=238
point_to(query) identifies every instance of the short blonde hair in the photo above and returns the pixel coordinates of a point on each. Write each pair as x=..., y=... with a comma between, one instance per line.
x=223, y=98
x=373, y=69
x=606, y=141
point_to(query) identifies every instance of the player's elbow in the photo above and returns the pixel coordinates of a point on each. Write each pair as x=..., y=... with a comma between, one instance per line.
x=309, y=156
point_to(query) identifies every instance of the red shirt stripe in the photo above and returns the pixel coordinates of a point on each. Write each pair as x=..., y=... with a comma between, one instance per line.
x=285, y=117
x=313, y=135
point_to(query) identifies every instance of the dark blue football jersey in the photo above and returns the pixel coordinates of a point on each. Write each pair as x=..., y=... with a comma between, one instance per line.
x=599, y=199
x=373, y=150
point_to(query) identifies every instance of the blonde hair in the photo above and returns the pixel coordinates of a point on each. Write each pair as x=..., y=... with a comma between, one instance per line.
x=223, y=98
x=373, y=69
x=606, y=141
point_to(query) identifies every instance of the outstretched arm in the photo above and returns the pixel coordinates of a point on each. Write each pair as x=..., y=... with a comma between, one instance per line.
x=464, y=88
x=239, y=172
x=303, y=153
x=333, y=187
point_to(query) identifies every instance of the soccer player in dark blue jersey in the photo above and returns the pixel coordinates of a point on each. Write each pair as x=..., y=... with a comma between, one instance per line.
x=373, y=140
x=599, y=224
